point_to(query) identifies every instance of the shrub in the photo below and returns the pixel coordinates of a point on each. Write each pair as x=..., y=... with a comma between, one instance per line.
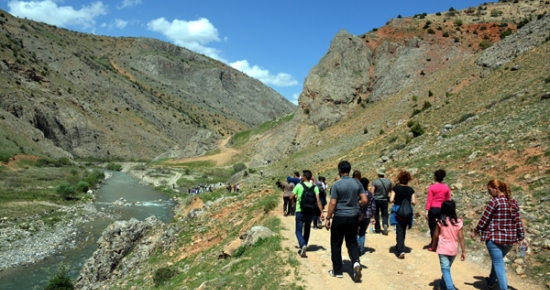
x=60, y=279
x=82, y=186
x=381, y=132
x=94, y=177
x=438, y=13
x=359, y=100
x=64, y=161
x=496, y=13
x=458, y=22
x=399, y=16
x=426, y=105
x=114, y=166
x=417, y=129
x=431, y=31
x=365, y=131
x=162, y=275
x=306, y=111
x=271, y=205
x=410, y=123
x=65, y=190
x=484, y=44
x=505, y=33
x=445, y=34
x=547, y=80
x=430, y=93
x=239, y=167
x=414, y=98
x=5, y=157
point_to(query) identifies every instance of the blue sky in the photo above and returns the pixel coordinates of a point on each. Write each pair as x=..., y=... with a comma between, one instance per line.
x=276, y=42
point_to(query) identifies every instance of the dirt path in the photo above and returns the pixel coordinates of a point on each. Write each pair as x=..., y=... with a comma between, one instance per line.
x=225, y=155
x=381, y=268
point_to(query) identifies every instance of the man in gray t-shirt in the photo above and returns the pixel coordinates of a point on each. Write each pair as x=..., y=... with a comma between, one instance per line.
x=381, y=188
x=346, y=195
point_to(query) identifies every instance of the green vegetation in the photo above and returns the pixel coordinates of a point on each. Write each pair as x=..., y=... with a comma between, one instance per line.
x=60, y=279
x=496, y=13
x=458, y=22
x=163, y=275
x=114, y=166
x=65, y=190
x=431, y=31
x=486, y=43
x=239, y=167
x=240, y=139
x=505, y=33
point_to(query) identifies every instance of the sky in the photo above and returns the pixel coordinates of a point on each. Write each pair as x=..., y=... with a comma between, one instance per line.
x=277, y=42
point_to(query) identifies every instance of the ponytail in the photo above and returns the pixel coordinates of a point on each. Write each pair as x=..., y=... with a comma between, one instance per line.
x=504, y=188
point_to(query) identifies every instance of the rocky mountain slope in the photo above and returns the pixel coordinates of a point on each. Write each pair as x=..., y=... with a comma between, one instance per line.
x=72, y=94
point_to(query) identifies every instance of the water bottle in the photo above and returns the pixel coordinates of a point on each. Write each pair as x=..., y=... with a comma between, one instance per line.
x=372, y=229
x=522, y=250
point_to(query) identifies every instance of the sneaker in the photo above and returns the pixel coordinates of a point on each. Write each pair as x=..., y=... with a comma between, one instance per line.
x=303, y=251
x=402, y=256
x=385, y=232
x=430, y=249
x=357, y=272
x=331, y=273
x=489, y=286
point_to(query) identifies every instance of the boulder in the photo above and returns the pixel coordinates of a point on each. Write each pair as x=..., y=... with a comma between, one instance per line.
x=255, y=233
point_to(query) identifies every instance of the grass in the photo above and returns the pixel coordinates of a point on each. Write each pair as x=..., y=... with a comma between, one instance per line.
x=241, y=138
x=205, y=175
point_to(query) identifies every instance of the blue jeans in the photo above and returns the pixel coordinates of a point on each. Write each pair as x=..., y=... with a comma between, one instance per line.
x=446, y=280
x=361, y=235
x=303, y=228
x=498, y=272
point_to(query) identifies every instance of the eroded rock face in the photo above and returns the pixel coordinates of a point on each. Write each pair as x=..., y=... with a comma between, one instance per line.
x=525, y=39
x=336, y=81
x=117, y=241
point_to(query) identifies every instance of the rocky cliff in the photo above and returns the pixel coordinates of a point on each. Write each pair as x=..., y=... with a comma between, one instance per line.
x=131, y=98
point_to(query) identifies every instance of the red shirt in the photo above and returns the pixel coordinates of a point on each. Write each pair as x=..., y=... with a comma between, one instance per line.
x=499, y=224
x=437, y=194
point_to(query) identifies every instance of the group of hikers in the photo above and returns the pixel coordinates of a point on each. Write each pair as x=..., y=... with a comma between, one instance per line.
x=352, y=205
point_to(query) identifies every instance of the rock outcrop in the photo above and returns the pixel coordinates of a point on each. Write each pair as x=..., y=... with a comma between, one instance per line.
x=115, y=244
x=339, y=78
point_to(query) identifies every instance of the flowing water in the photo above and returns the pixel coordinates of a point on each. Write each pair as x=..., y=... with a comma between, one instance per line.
x=140, y=203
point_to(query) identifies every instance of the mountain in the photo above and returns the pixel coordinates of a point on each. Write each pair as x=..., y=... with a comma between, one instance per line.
x=85, y=96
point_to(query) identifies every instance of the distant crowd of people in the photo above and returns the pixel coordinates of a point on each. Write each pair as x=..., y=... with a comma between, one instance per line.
x=352, y=205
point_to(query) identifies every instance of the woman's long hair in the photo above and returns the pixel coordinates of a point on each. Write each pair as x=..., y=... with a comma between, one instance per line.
x=504, y=188
x=448, y=210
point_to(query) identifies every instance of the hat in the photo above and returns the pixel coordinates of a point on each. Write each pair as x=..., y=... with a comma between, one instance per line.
x=381, y=171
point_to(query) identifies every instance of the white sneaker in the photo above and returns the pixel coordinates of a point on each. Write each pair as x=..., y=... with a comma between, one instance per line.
x=331, y=272
x=303, y=251
x=357, y=272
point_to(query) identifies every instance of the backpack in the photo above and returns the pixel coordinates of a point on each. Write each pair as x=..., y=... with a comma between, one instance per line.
x=308, y=202
x=404, y=213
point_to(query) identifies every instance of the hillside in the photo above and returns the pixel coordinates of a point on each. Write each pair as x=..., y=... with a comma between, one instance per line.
x=86, y=96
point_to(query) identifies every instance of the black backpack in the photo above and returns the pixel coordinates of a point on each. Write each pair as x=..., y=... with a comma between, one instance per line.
x=404, y=213
x=308, y=203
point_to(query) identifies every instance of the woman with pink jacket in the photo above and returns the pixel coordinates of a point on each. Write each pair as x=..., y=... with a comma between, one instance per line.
x=438, y=192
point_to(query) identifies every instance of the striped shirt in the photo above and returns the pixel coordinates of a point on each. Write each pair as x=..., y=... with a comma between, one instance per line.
x=499, y=224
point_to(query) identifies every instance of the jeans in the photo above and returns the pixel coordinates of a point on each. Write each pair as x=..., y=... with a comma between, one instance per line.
x=303, y=228
x=400, y=233
x=498, y=272
x=446, y=280
x=340, y=229
x=433, y=215
x=381, y=207
x=361, y=235
x=286, y=205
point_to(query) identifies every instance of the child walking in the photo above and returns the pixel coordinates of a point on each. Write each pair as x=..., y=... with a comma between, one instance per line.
x=448, y=233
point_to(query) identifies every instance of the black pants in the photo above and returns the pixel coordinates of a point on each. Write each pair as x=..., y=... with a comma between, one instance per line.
x=340, y=229
x=286, y=204
x=317, y=218
x=400, y=233
x=381, y=207
x=433, y=215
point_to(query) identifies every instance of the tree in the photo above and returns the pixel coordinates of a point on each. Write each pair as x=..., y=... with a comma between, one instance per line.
x=60, y=279
x=65, y=190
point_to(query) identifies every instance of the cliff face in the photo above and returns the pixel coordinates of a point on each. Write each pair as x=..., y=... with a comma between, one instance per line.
x=132, y=98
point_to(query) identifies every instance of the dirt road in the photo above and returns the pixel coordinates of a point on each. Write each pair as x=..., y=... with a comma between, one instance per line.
x=381, y=268
x=223, y=157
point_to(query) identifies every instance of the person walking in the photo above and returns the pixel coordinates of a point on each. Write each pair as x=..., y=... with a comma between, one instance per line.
x=438, y=192
x=287, y=188
x=500, y=227
x=345, y=197
x=369, y=210
x=381, y=188
x=398, y=194
x=448, y=234
x=307, y=196
x=317, y=223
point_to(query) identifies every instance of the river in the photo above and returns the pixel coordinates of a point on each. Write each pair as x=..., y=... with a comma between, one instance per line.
x=140, y=202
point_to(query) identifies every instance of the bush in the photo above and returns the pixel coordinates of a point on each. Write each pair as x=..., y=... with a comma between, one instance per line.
x=484, y=44
x=410, y=123
x=417, y=129
x=65, y=190
x=414, y=98
x=162, y=275
x=496, y=13
x=458, y=22
x=61, y=279
x=239, y=167
x=505, y=33
x=64, y=161
x=5, y=157
x=271, y=205
x=114, y=166
x=431, y=31
x=365, y=131
x=94, y=177
x=83, y=186
x=359, y=100
x=381, y=132
x=426, y=106
x=445, y=34
x=430, y=93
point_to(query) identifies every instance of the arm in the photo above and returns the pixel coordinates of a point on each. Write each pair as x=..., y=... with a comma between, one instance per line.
x=413, y=199
x=436, y=237
x=429, y=201
x=363, y=199
x=373, y=189
x=462, y=245
x=392, y=196
x=485, y=218
x=319, y=202
x=330, y=212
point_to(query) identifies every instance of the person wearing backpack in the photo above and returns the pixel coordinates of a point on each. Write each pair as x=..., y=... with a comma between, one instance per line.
x=307, y=202
x=346, y=195
x=368, y=209
x=402, y=196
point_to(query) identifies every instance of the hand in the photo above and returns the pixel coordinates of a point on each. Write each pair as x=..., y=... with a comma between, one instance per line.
x=426, y=215
x=462, y=256
x=524, y=243
x=373, y=221
x=322, y=217
x=473, y=235
x=327, y=224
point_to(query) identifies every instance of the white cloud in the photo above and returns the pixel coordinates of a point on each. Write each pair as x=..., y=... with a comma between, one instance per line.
x=63, y=16
x=119, y=23
x=295, y=98
x=128, y=3
x=281, y=79
x=193, y=35
x=103, y=24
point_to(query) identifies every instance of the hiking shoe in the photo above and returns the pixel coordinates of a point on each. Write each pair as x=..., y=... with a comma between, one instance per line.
x=357, y=272
x=385, y=232
x=331, y=273
x=489, y=286
x=303, y=251
x=402, y=256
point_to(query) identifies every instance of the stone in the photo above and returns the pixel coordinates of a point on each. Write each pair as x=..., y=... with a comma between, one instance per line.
x=546, y=244
x=545, y=96
x=255, y=233
x=457, y=186
x=515, y=67
x=520, y=270
x=230, y=249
